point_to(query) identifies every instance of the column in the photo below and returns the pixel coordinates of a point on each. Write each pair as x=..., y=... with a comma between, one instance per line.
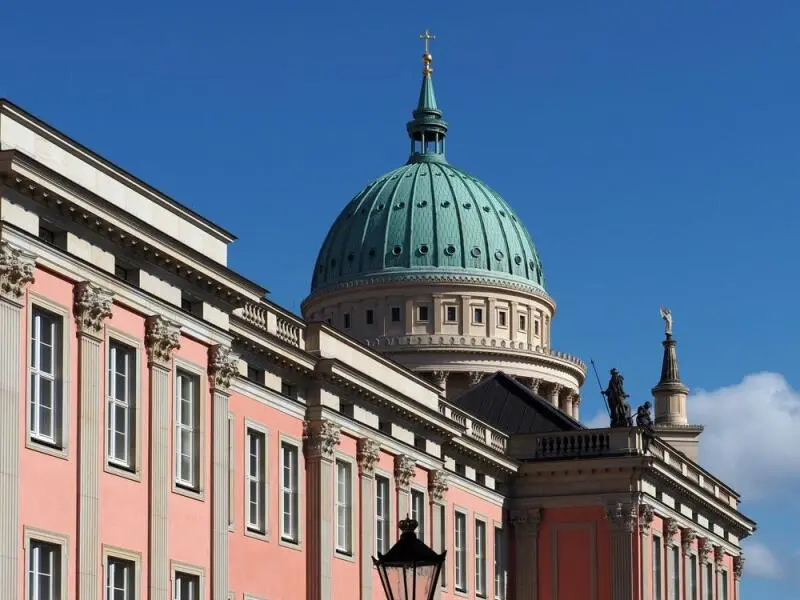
x=576, y=406
x=440, y=380
x=671, y=529
x=368, y=453
x=555, y=390
x=526, y=540
x=738, y=570
x=222, y=368
x=437, y=488
x=321, y=437
x=404, y=469
x=535, y=384
x=16, y=272
x=687, y=539
x=475, y=377
x=719, y=555
x=162, y=337
x=704, y=551
x=645, y=521
x=621, y=518
x=92, y=306
x=565, y=401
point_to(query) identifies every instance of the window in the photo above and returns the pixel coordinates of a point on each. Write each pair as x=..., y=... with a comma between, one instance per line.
x=709, y=582
x=289, y=493
x=460, y=543
x=443, y=538
x=370, y=316
x=256, y=481
x=382, y=514
x=255, y=374
x=187, y=586
x=120, y=579
x=187, y=431
x=499, y=565
x=288, y=389
x=231, y=469
x=536, y=327
x=502, y=318
x=48, y=236
x=477, y=315
x=676, y=573
x=723, y=592
x=347, y=320
x=44, y=571
x=45, y=378
x=656, y=568
x=693, y=578
x=121, y=405
x=395, y=314
x=480, y=558
x=418, y=512
x=344, y=507
x=422, y=313
x=523, y=322
x=451, y=314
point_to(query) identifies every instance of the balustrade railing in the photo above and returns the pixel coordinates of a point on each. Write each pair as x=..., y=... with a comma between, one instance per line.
x=283, y=326
x=475, y=429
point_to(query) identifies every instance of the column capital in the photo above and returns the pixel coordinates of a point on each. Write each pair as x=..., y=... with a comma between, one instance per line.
x=646, y=515
x=223, y=365
x=475, y=377
x=437, y=485
x=321, y=437
x=16, y=271
x=719, y=556
x=535, y=383
x=368, y=453
x=671, y=529
x=440, y=378
x=622, y=517
x=704, y=549
x=404, y=469
x=92, y=306
x=738, y=566
x=161, y=338
x=688, y=536
x=576, y=398
x=526, y=520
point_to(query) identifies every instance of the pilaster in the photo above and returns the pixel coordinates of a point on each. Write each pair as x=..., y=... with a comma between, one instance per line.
x=437, y=489
x=738, y=571
x=645, y=522
x=687, y=539
x=671, y=530
x=92, y=306
x=162, y=337
x=16, y=272
x=320, y=437
x=535, y=384
x=719, y=556
x=704, y=551
x=576, y=406
x=222, y=368
x=526, y=538
x=622, y=521
x=440, y=379
x=404, y=469
x=368, y=453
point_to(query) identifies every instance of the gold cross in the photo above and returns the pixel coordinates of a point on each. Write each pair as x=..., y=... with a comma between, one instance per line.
x=427, y=36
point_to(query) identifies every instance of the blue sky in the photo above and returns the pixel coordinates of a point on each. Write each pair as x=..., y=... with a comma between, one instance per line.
x=651, y=148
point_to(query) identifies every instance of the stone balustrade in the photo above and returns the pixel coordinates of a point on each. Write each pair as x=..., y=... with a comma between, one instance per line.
x=475, y=429
x=276, y=322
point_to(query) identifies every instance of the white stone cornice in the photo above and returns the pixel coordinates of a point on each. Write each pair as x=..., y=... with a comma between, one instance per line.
x=404, y=469
x=321, y=436
x=16, y=271
x=222, y=366
x=162, y=337
x=438, y=484
x=368, y=453
x=92, y=306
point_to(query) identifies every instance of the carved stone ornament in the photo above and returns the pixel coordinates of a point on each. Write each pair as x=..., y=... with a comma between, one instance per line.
x=368, y=453
x=92, y=306
x=576, y=399
x=162, y=337
x=440, y=378
x=704, y=548
x=404, y=469
x=321, y=438
x=222, y=366
x=535, y=383
x=719, y=556
x=671, y=529
x=621, y=516
x=646, y=515
x=437, y=485
x=475, y=377
x=555, y=391
x=526, y=520
x=738, y=566
x=687, y=539
x=16, y=271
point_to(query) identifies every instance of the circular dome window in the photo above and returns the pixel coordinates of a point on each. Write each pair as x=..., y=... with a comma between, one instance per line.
x=518, y=259
x=423, y=249
x=502, y=213
x=446, y=203
x=397, y=250
x=476, y=252
x=486, y=209
x=499, y=255
x=350, y=257
x=379, y=207
x=422, y=203
x=531, y=264
x=400, y=205
x=450, y=250
x=467, y=205
x=372, y=253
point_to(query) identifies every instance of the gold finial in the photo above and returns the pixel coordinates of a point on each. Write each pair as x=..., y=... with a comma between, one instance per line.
x=427, y=36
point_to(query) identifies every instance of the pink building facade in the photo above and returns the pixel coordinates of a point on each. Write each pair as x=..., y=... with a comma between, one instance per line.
x=169, y=433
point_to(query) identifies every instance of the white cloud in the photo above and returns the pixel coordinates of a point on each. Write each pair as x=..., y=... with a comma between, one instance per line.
x=761, y=562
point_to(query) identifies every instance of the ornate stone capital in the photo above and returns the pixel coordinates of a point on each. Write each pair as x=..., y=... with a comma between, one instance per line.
x=555, y=392
x=16, y=271
x=526, y=520
x=719, y=556
x=671, y=529
x=92, y=306
x=440, y=378
x=688, y=536
x=222, y=366
x=161, y=338
x=475, y=377
x=321, y=438
x=576, y=399
x=646, y=515
x=621, y=516
x=738, y=566
x=437, y=485
x=704, y=549
x=368, y=452
x=535, y=383
x=404, y=469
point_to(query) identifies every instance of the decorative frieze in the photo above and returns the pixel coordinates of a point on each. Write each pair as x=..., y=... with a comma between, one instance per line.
x=738, y=567
x=704, y=549
x=222, y=366
x=320, y=438
x=162, y=337
x=92, y=306
x=621, y=516
x=671, y=529
x=404, y=469
x=437, y=485
x=646, y=515
x=368, y=452
x=688, y=536
x=16, y=271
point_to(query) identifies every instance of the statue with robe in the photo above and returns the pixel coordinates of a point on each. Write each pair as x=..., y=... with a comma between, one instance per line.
x=617, y=401
x=666, y=314
x=643, y=418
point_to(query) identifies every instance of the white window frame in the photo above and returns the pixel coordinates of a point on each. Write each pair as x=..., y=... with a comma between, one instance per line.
x=290, y=538
x=504, y=313
x=698, y=575
x=418, y=313
x=261, y=480
x=179, y=568
x=399, y=314
x=383, y=522
x=110, y=554
x=725, y=585
x=419, y=513
x=482, y=320
x=442, y=508
x=500, y=580
x=344, y=508
x=522, y=321
x=479, y=524
x=57, y=445
x=447, y=308
x=33, y=537
x=460, y=551
x=675, y=579
x=131, y=467
x=182, y=485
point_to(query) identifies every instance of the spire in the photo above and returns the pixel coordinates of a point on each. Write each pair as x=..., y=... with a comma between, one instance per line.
x=427, y=129
x=670, y=376
x=670, y=393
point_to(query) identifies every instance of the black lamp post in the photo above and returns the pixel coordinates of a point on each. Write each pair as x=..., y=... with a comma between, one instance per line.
x=410, y=569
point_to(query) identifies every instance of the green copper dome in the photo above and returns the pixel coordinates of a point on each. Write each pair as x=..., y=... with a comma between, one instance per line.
x=428, y=220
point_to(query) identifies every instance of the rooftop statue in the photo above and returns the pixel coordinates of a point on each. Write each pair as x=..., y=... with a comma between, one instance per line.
x=666, y=314
x=643, y=418
x=617, y=401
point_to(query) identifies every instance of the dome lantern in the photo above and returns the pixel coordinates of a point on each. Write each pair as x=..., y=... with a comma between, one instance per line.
x=427, y=129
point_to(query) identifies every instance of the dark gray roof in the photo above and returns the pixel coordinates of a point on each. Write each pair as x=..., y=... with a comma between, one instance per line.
x=504, y=403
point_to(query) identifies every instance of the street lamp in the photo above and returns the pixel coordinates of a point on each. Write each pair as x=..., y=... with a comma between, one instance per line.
x=410, y=569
